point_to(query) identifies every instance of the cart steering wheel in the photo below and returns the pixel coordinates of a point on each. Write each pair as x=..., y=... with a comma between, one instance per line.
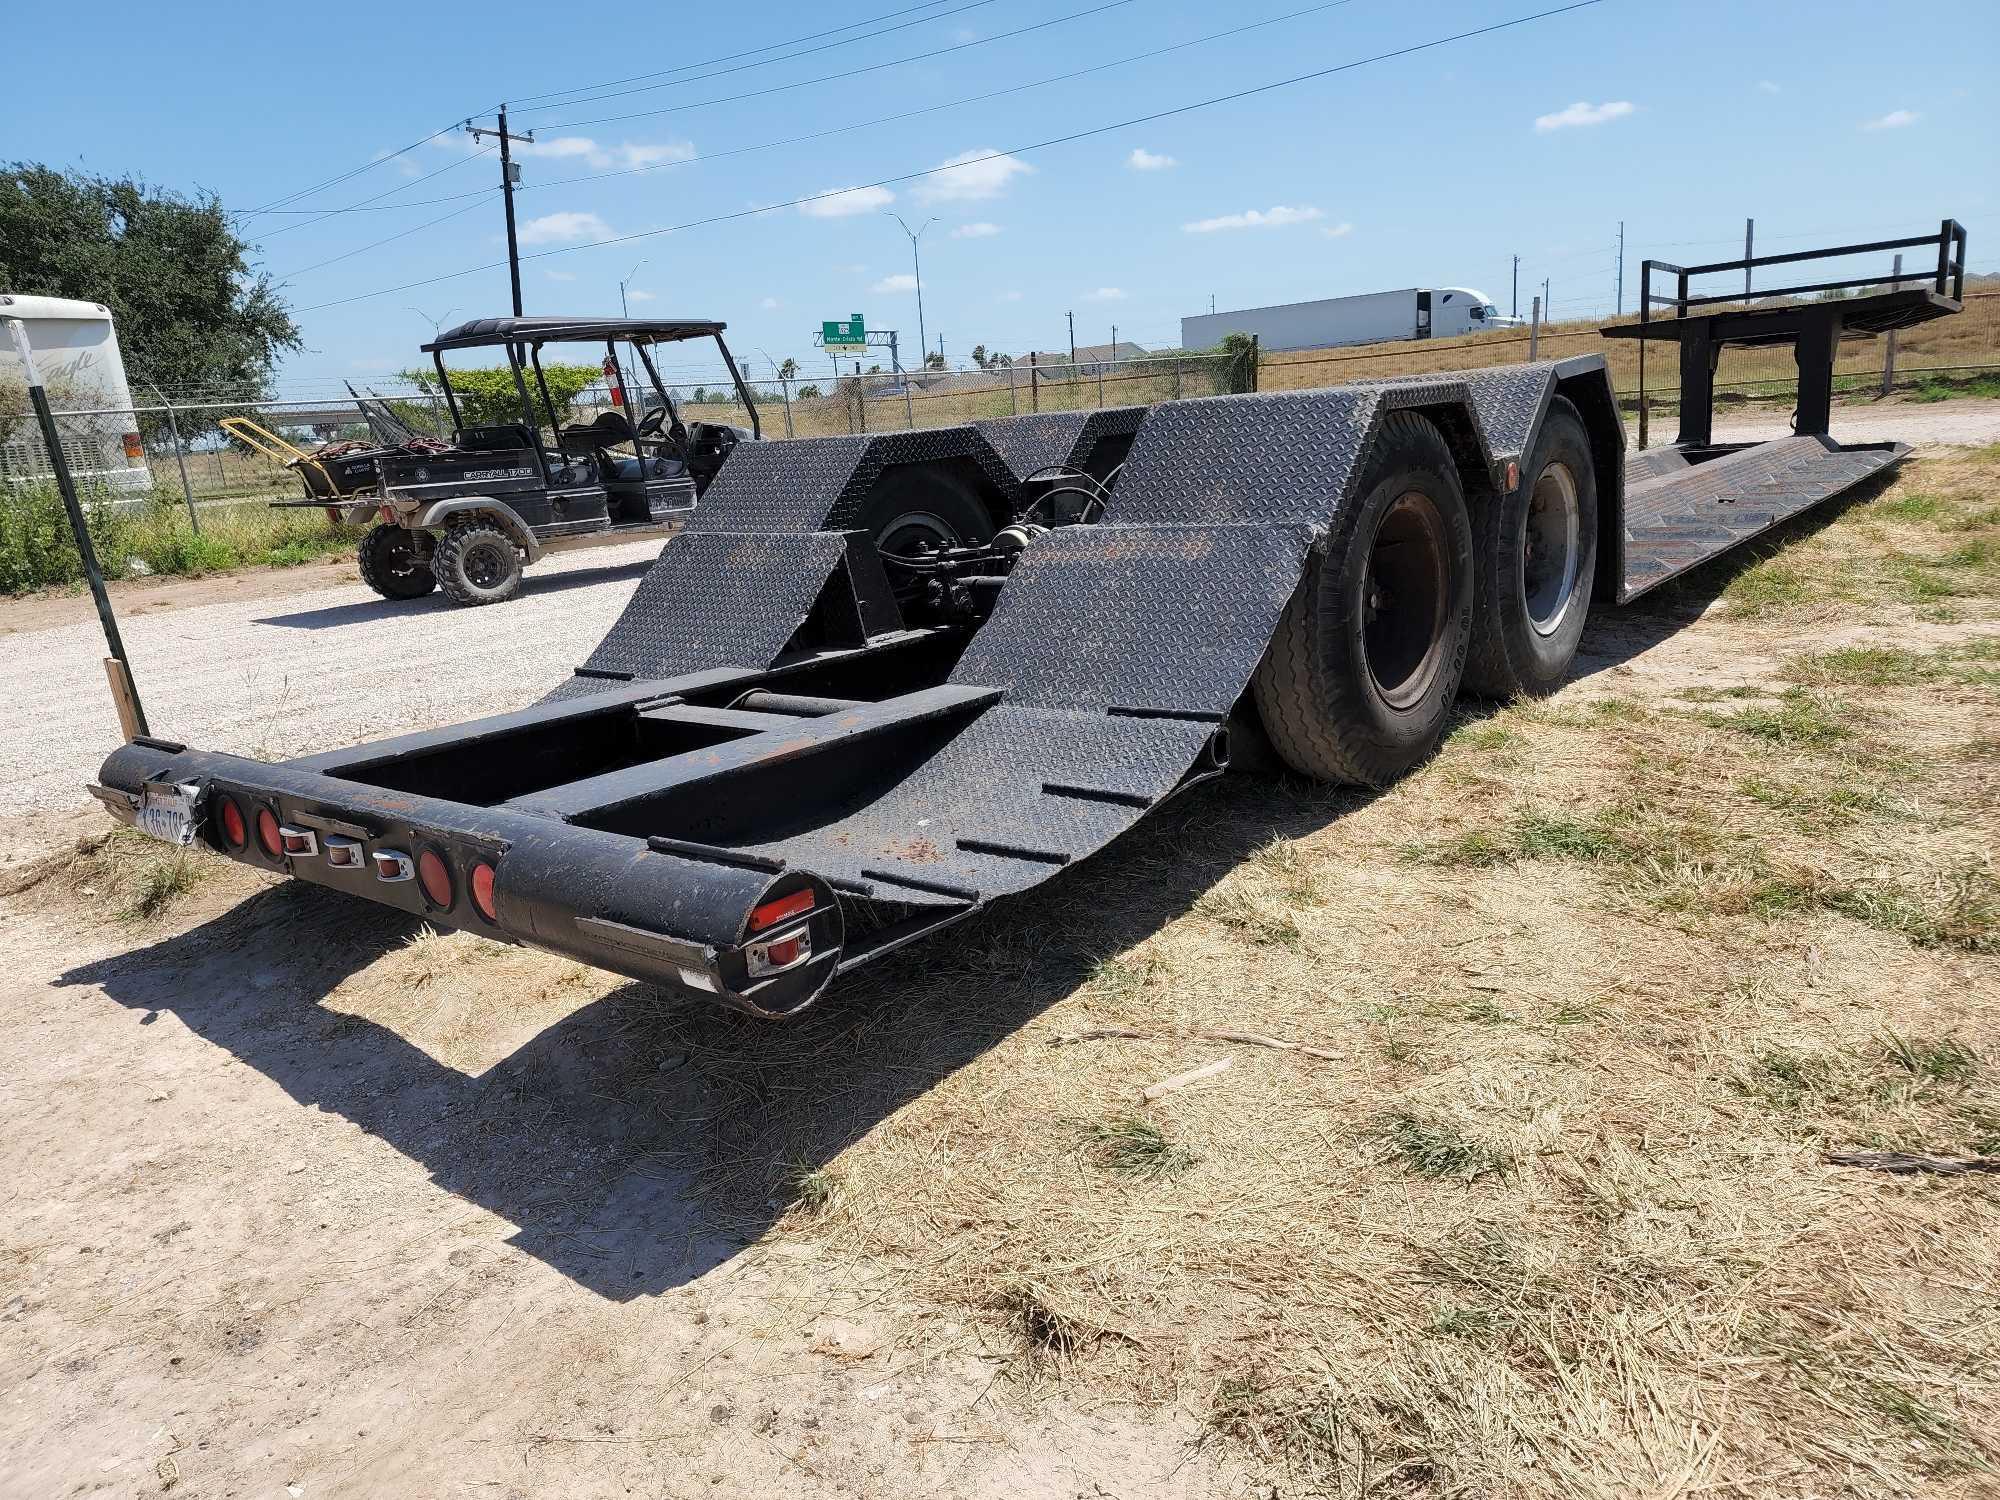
x=651, y=423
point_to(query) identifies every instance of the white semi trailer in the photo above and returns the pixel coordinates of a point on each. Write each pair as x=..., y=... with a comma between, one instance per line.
x=1371, y=318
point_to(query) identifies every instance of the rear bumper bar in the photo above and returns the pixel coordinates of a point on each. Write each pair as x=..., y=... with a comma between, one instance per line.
x=752, y=933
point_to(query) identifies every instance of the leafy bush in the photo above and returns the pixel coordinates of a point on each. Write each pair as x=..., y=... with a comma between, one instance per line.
x=488, y=398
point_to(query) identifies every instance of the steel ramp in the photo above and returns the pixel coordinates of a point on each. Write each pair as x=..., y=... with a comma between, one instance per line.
x=1684, y=506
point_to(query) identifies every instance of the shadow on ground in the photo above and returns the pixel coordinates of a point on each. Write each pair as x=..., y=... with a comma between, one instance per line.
x=368, y=610
x=643, y=1140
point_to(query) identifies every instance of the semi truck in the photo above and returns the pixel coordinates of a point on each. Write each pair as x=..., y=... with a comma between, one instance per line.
x=880, y=682
x=1371, y=318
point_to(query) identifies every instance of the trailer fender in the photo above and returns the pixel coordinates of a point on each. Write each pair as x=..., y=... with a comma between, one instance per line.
x=437, y=516
x=1589, y=391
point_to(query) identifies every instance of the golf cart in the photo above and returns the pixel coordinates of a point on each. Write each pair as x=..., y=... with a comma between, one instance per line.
x=468, y=519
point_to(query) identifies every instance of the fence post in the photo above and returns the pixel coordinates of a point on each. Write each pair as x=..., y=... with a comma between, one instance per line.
x=909, y=403
x=785, y=390
x=1256, y=361
x=1013, y=396
x=1535, y=331
x=1100, y=381
x=1034, y=383
x=861, y=397
x=1889, y=343
x=180, y=458
x=1177, y=377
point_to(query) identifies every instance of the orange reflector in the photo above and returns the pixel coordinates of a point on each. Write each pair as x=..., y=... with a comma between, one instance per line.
x=482, y=890
x=784, y=955
x=1513, y=476
x=772, y=912
x=230, y=816
x=135, y=449
x=434, y=875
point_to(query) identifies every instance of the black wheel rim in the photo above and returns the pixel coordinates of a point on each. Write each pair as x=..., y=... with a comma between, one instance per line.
x=400, y=556
x=1403, y=600
x=485, y=566
x=915, y=530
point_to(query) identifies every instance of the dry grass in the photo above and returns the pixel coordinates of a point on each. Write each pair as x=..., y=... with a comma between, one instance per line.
x=1593, y=993
x=1605, y=981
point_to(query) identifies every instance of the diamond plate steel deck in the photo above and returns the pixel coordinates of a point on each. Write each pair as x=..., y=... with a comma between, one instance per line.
x=1681, y=514
x=821, y=484
x=716, y=599
x=1055, y=439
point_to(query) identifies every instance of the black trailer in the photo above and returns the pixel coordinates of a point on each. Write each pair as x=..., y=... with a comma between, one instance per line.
x=799, y=749
x=468, y=516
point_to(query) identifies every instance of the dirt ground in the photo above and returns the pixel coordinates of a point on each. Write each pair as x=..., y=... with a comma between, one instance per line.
x=303, y=1199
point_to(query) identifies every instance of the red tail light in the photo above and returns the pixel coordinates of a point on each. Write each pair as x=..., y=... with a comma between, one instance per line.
x=434, y=875
x=229, y=818
x=779, y=908
x=135, y=449
x=482, y=890
x=268, y=838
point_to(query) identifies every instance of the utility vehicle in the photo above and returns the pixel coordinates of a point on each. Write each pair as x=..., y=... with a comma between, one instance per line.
x=468, y=519
x=801, y=746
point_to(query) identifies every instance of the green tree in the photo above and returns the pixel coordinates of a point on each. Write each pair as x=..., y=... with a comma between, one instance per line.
x=487, y=397
x=979, y=355
x=934, y=361
x=190, y=313
x=789, y=370
x=1239, y=373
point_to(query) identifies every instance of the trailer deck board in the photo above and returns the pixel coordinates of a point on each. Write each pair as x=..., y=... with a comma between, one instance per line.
x=1685, y=509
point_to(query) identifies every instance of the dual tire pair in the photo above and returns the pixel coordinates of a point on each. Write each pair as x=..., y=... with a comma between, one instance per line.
x=1417, y=596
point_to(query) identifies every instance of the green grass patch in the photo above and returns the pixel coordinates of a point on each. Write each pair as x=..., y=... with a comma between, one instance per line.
x=1767, y=586
x=1134, y=1146
x=1432, y=1148
x=1930, y=388
x=1800, y=720
x=1944, y=1059
x=1915, y=506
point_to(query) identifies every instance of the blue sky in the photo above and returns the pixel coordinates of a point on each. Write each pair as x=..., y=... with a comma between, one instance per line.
x=1433, y=168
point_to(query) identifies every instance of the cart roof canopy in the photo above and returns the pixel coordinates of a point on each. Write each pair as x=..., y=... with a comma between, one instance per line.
x=486, y=332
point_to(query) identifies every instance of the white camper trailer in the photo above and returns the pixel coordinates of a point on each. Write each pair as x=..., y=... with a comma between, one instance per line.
x=1372, y=318
x=76, y=353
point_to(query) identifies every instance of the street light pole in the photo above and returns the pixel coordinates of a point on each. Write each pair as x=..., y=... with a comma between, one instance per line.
x=916, y=266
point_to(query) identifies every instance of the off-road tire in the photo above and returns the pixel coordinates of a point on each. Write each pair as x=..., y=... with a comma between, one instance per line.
x=478, y=563
x=1328, y=713
x=1510, y=656
x=923, y=502
x=395, y=563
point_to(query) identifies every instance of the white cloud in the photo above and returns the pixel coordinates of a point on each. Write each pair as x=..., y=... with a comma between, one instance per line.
x=1142, y=160
x=1106, y=294
x=979, y=231
x=638, y=296
x=1766, y=86
x=1256, y=218
x=402, y=163
x=965, y=34
x=770, y=304
x=1338, y=231
x=1584, y=113
x=593, y=153
x=902, y=281
x=554, y=228
x=1010, y=296
x=972, y=175
x=1896, y=119
x=560, y=275
x=843, y=203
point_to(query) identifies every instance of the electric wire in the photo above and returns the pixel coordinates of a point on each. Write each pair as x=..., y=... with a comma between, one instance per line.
x=1067, y=138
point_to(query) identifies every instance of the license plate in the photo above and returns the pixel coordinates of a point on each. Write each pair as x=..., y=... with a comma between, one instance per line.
x=168, y=812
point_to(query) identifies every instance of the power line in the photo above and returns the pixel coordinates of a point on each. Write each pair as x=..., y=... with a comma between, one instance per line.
x=386, y=240
x=1145, y=119
x=375, y=204
x=895, y=62
x=612, y=92
x=368, y=165
x=910, y=114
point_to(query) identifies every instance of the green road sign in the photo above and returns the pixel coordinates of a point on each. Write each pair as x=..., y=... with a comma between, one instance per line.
x=848, y=337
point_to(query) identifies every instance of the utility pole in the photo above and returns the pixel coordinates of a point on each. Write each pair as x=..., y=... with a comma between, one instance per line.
x=1749, y=239
x=1114, y=343
x=1072, y=330
x=1621, y=268
x=1548, y=307
x=509, y=176
x=1514, y=306
x=916, y=266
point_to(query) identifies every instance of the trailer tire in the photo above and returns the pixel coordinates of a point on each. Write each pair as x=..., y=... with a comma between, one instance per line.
x=1534, y=559
x=916, y=504
x=394, y=563
x=1362, y=669
x=478, y=563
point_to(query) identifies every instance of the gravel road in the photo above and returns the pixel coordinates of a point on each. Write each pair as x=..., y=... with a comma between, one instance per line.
x=290, y=672
x=285, y=672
